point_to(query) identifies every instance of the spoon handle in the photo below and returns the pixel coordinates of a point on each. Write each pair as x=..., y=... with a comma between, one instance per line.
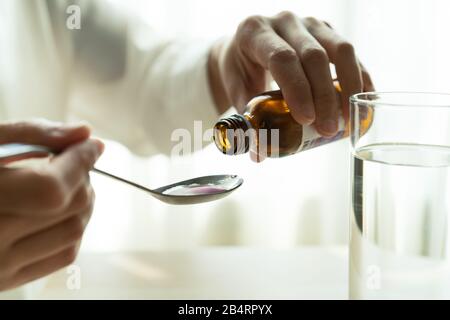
x=131, y=183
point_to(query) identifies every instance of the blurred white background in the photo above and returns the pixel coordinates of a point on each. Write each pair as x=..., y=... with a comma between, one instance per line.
x=303, y=199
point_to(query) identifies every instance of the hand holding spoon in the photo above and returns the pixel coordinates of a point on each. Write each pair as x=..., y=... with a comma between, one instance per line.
x=192, y=191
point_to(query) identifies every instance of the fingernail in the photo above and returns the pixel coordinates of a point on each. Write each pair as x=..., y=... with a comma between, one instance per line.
x=329, y=126
x=309, y=115
x=308, y=121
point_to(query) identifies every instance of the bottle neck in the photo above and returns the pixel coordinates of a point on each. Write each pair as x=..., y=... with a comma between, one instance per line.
x=231, y=135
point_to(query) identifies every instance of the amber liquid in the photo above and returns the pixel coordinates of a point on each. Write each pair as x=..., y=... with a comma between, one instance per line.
x=270, y=112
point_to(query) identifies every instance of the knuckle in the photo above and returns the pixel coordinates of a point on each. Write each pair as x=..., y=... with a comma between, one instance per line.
x=314, y=56
x=252, y=24
x=283, y=55
x=70, y=255
x=49, y=191
x=75, y=228
x=247, y=29
x=286, y=15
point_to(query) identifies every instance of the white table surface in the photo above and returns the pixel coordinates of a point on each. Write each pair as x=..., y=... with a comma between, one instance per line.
x=214, y=273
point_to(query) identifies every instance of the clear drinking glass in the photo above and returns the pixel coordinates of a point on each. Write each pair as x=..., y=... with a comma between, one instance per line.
x=400, y=213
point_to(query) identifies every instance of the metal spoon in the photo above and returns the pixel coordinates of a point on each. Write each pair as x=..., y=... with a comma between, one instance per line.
x=197, y=190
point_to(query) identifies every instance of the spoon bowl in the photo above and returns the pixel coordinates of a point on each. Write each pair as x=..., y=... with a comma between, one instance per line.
x=198, y=190
x=192, y=191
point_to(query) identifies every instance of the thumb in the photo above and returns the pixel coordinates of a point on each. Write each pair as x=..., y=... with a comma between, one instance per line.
x=56, y=136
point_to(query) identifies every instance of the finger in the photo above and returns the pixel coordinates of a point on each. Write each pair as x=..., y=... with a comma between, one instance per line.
x=48, y=190
x=342, y=54
x=367, y=80
x=29, y=191
x=47, y=243
x=73, y=165
x=316, y=64
x=254, y=84
x=14, y=227
x=44, y=267
x=54, y=135
x=263, y=46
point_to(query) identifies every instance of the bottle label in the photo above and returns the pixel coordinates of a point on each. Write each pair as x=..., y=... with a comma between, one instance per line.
x=311, y=138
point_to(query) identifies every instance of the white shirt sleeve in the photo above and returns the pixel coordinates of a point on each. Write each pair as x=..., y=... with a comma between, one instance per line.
x=130, y=84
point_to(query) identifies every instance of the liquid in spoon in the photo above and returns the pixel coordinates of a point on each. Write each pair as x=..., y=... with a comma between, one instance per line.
x=194, y=189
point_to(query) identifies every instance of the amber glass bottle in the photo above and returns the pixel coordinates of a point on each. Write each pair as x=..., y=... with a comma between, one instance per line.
x=282, y=136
